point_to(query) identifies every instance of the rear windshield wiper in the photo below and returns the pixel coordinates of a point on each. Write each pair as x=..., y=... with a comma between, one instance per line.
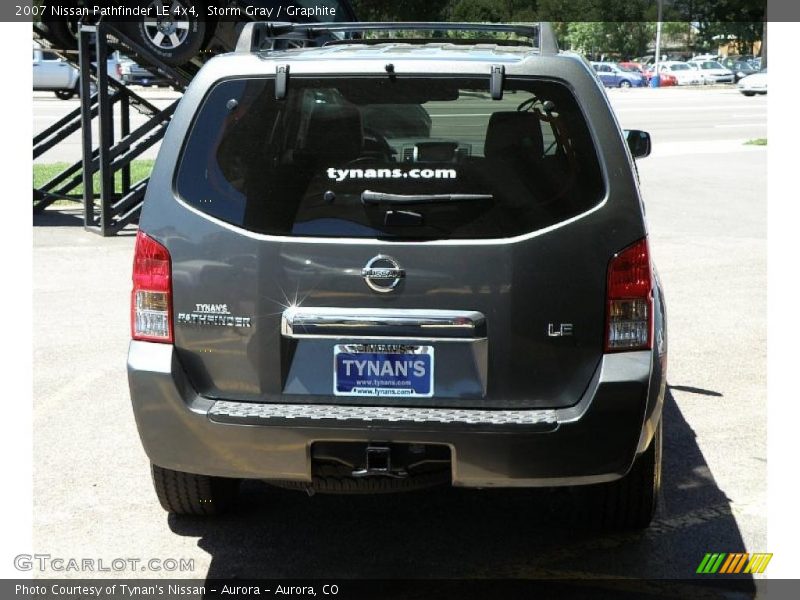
x=369, y=197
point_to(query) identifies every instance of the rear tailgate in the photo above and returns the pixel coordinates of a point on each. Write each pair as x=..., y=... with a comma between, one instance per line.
x=474, y=277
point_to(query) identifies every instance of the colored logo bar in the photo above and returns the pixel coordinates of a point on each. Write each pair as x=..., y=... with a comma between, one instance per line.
x=731, y=563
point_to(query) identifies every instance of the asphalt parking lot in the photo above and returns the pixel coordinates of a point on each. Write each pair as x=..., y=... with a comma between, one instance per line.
x=705, y=194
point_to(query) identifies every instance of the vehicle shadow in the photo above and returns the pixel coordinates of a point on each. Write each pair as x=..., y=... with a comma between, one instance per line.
x=68, y=216
x=72, y=216
x=455, y=533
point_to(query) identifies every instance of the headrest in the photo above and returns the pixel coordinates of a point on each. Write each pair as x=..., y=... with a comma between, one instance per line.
x=335, y=131
x=517, y=133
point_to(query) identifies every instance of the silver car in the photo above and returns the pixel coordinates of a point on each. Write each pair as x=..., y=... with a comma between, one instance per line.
x=330, y=301
x=712, y=72
x=51, y=73
x=754, y=84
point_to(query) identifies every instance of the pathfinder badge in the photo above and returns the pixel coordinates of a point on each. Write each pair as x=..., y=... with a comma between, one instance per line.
x=216, y=315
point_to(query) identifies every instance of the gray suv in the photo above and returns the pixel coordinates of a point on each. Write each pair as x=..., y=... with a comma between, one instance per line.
x=380, y=263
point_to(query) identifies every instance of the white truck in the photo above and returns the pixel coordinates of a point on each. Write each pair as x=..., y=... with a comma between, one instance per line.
x=52, y=73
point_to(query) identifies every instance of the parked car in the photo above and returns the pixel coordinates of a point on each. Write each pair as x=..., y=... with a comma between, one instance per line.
x=740, y=67
x=702, y=57
x=647, y=72
x=666, y=79
x=188, y=29
x=683, y=73
x=612, y=75
x=633, y=66
x=346, y=316
x=135, y=74
x=754, y=84
x=53, y=73
x=740, y=57
x=712, y=72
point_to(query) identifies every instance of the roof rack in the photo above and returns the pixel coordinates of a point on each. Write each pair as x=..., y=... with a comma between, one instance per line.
x=261, y=35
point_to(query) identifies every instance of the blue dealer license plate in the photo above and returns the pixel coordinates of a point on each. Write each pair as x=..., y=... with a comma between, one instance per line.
x=383, y=370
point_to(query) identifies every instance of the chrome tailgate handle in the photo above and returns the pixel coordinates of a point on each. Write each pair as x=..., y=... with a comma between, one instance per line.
x=324, y=322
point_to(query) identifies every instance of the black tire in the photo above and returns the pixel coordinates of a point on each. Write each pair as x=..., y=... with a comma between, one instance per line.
x=189, y=494
x=62, y=32
x=628, y=503
x=749, y=93
x=173, y=51
x=624, y=83
x=64, y=94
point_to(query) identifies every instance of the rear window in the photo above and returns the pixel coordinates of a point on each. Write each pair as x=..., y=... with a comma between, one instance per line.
x=390, y=158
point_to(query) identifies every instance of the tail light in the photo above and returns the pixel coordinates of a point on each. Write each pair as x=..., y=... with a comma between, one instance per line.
x=629, y=300
x=151, y=299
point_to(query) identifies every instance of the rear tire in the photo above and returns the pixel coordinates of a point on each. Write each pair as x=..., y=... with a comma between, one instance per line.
x=64, y=94
x=63, y=32
x=749, y=93
x=624, y=83
x=188, y=494
x=630, y=502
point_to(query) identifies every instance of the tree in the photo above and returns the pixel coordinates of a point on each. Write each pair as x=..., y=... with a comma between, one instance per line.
x=622, y=39
x=586, y=37
x=723, y=20
x=480, y=11
x=449, y=10
x=405, y=10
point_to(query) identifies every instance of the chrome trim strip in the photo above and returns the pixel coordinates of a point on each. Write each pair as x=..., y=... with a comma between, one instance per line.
x=379, y=323
x=385, y=339
x=383, y=414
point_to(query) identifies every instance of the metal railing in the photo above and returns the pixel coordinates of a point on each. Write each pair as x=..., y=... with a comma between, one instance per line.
x=111, y=200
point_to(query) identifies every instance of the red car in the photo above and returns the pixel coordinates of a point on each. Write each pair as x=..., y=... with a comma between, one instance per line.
x=634, y=66
x=665, y=80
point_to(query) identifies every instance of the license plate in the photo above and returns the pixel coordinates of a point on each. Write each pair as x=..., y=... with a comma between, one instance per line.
x=383, y=370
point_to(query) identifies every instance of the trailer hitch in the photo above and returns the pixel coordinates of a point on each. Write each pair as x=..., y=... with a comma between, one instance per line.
x=378, y=462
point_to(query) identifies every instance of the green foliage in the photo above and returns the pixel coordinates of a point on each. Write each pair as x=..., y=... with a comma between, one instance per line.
x=448, y=10
x=625, y=39
x=480, y=11
x=623, y=28
x=401, y=10
x=721, y=20
x=42, y=173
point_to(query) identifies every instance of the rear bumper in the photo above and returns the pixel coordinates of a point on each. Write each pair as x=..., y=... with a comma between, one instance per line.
x=596, y=440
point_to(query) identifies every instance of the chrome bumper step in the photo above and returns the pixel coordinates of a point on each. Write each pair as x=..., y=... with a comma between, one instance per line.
x=225, y=411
